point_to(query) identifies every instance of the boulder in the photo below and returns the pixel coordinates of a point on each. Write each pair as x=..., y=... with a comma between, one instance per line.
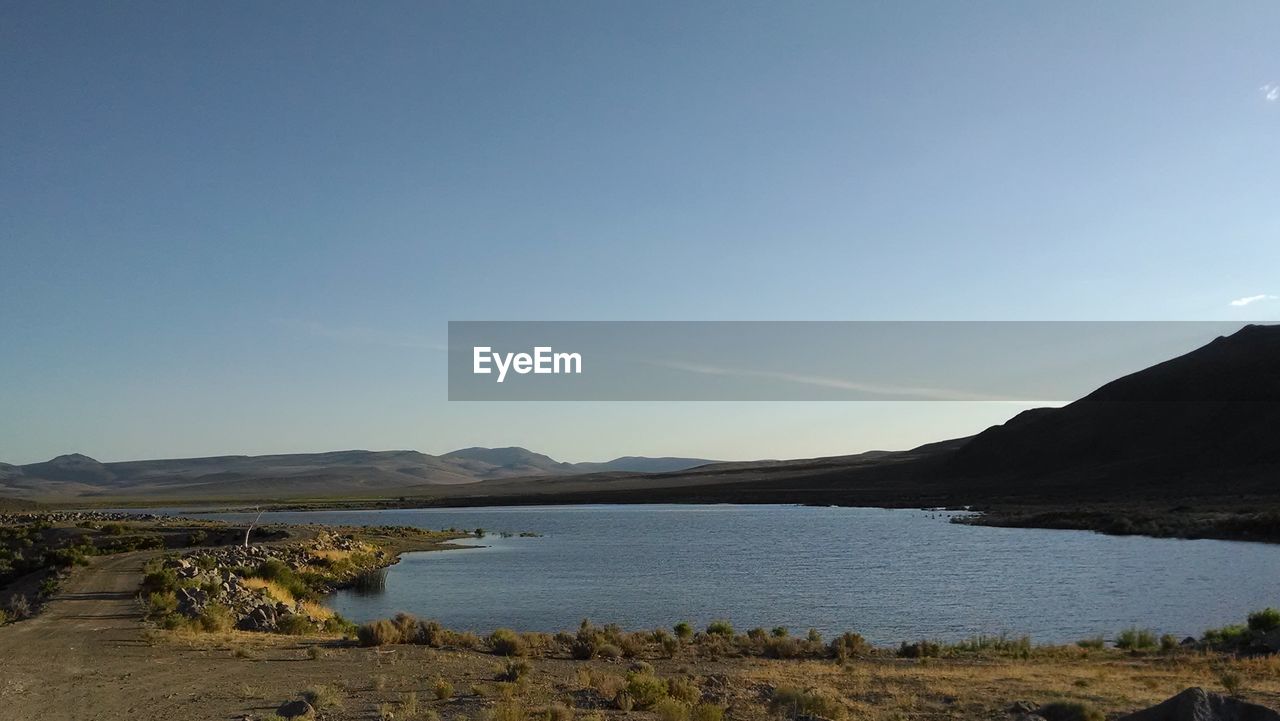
x=1196, y=704
x=296, y=709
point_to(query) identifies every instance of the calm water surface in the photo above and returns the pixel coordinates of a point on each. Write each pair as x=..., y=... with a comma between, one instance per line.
x=889, y=574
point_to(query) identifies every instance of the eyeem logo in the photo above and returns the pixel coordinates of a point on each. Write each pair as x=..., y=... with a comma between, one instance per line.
x=542, y=361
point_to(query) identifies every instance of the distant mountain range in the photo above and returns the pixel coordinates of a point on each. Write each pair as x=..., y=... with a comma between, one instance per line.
x=302, y=474
x=1203, y=425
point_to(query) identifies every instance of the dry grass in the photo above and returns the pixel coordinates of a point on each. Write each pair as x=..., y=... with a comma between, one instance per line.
x=275, y=590
x=317, y=610
x=973, y=688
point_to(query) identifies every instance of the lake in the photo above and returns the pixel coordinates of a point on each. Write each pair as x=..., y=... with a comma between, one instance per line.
x=891, y=575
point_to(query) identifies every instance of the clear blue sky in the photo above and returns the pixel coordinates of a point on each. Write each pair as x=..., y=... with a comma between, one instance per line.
x=241, y=227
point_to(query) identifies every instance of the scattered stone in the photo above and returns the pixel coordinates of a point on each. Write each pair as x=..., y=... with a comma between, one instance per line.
x=1196, y=704
x=1023, y=707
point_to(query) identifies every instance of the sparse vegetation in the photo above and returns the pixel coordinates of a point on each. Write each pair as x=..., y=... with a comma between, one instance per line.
x=1136, y=639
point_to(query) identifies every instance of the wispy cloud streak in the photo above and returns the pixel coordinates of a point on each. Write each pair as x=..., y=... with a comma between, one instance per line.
x=842, y=384
x=361, y=335
x=1248, y=300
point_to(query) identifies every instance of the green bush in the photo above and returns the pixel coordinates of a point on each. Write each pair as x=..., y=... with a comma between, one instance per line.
x=707, y=712
x=1136, y=639
x=295, y=625
x=1226, y=637
x=514, y=670
x=1070, y=711
x=217, y=618
x=1268, y=619
x=684, y=690
x=645, y=689
x=1094, y=643
x=669, y=709
x=720, y=627
x=848, y=645
x=506, y=642
x=161, y=604
x=684, y=631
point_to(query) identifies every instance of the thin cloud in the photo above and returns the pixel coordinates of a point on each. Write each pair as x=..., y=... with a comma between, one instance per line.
x=935, y=394
x=1248, y=300
x=1271, y=92
x=360, y=335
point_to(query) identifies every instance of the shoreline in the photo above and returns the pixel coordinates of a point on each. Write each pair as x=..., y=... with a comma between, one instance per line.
x=1243, y=521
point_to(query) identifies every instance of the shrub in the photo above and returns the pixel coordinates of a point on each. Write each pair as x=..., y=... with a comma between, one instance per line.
x=669, y=709
x=508, y=711
x=1226, y=637
x=407, y=627
x=645, y=689
x=160, y=580
x=670, y=646
x=720, y=627
x=782, y=647
x=1168, y=643
x=848, y=645
x=19, y=607
x=295, y=625
x=408, y=705
x=4, y=617
x=1268, y=619
x=804, y=702
x=1070, y=711
x=559, y=712
x=684, y=690
x=1232, y=682
x=217, y=618
x=506, y=642
x=920, y=649
x=707, y=712
x=624, y=702
x=377, y=633
x=514, y=670
x=609, y=651
x=633, y=645
x=443, y=689
x=1136, y=639
x=1093, y=642
x=431, y=633
x=161, y=604
x=683, y=630
x=324, y=698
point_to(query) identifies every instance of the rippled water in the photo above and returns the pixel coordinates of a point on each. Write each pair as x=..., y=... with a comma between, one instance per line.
x=889, y=574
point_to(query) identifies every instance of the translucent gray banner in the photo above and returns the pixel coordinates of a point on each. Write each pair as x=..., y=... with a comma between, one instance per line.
x=807, y=360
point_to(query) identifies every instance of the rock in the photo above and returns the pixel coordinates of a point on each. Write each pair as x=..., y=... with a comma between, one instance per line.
x=1196, y=704
x=296, y=709
x=1022, y=707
